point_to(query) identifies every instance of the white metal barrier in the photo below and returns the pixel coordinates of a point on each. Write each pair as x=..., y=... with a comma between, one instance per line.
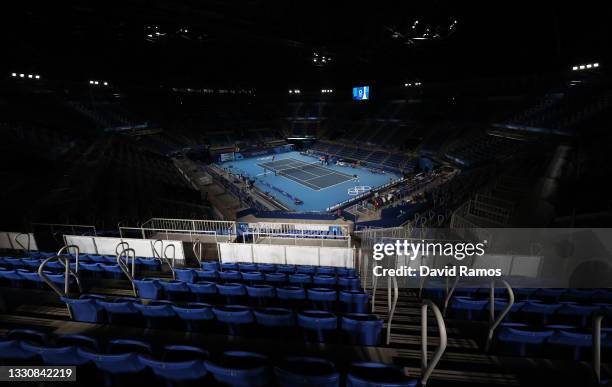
x=194, y=225
x=17, y=241
x=108, y=245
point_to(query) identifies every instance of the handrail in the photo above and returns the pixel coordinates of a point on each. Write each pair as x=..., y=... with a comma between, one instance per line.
x=597, y=318
x=427, y=369
x=124, y=268
x=16, y=239
x=171, y=263
x=495, y=322
x=75, y=273
x=392, y=304
x=449, y=295
x=121, y=244
x=46, y=279
x=198, y=253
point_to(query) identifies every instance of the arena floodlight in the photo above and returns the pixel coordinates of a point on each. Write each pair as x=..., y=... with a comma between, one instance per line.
x=37, y=77
x=13, y=74
x=575, y=68
x=96, y=82
x=30, y=76
x=105, y=83
x=91, y=82
x=581, y=67
x=595, y=64
x=589, y=66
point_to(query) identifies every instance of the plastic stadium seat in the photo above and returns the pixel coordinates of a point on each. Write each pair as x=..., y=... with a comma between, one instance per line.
x=306, y=269
x=210, y=265
x=173, y=373
x=252, y=276
x=29, y=335
x=126, y=345
x=572, y=346
x=12, y=353
x=112, y=271
x=120, y=312
x=196, y=316
x=324, y=280
x=92, y=269
x=183, y=353
x=240, y=369
x=230, y=275
x=234, y=317
x=56, y=355
x=247, y=266
x=233, y=292
x=501, y=304
x=322, y=298
x=276, y=322
x=98, y=258
x=276, y=278
x=520, y=342
x=148, y=288
x=15, y=263
x=582, y=295
x=229, y=266
x=287, y=269
x=306, y=371
x=156, y=314
x=354, y=301
x=207, y=275
x=362, y=329
x=204, y=291
x=262, y=293
x=84, y=310
x=548, y=295
x=579, y=315
x=523, y=293
x=186, y=275
x=345, y=272
x=33, y=278
x=317, y=324
x=467, y=308
x=31, y=263
x=366, y=374
x=538, y=313
x=326, y=270
x=81, y=341
x=117, y=369
x=13, y=278
x=266, y=267
x=292, y=296
x=148, y=264
x=175, y=290
x=349, y=282
x=300, y=279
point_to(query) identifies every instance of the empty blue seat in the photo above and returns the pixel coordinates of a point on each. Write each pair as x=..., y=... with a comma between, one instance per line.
x=292, y=296
x=29, y=335
x=15, y=263
x=156, y=314
x=317, y=324
x=174, y=289
x=300, y=279
x=31, y=263
x=233, y=292
x=261, y=293
x=465, y=308
x=99, y=259
x=204, y=291
x=148, y=288
x=247, y=266
x=112, y=271
x=322, y=298
x=326, y=270
x=354, y=301
x=33, y=278
x=230, y=275
x=186, y=275
x=579, y=315
x=92, y=269
x=345, y=272
x=306, y=269
x=178, y=352
x=116, y=368
x=234, y=317
x=207, y=275
x=276, y=278
x=240, y=369
x=84, y=310
x=539, y=313
x=253, y=276
x=266, y=267
x=148, y=264
x=120, y=311
x=349, y=282
x=324, y=280
x=210, y=265
x=306, y=371
x=229, y=266
x=522, y=342
x=362, y=329
x=276, y=322
x=76, y=340
x=15, y=279
x=368, y=374
x=196, y=316
x=56, y=355
x=287, y=269
x=129, y=345
x=189, y=371
x=12, y=353
x=570, y=345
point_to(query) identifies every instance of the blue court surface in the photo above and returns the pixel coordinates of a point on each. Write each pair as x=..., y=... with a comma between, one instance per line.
x=292, y=176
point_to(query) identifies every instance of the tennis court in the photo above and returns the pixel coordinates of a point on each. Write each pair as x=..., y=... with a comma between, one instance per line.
x=312, y=175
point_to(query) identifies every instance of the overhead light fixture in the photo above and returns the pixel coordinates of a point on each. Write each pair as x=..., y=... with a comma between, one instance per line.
x=595, y=64
x=21, y=75
x=105, y=83
x=14, y=74
x=37, y=77
x=586, y=66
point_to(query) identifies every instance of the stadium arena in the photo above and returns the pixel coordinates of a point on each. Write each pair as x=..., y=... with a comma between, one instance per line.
x=269, y=193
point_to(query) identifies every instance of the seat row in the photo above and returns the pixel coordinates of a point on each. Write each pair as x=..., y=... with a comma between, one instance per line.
x=133, y=362
x=520, y=294
x=150, y=264
x=279, y=268
x=530, y=311
x=313, y=325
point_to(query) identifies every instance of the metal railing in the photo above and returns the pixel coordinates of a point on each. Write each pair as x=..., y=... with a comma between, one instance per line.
x=427, y=367
x=64, y=259
x=163, y=256
x=597, y=319
x=197, y=250
x=18, y=242
x=494, y=322
x=126, y=252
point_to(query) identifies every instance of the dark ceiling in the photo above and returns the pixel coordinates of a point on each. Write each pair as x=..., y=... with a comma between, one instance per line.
x=271, y=43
